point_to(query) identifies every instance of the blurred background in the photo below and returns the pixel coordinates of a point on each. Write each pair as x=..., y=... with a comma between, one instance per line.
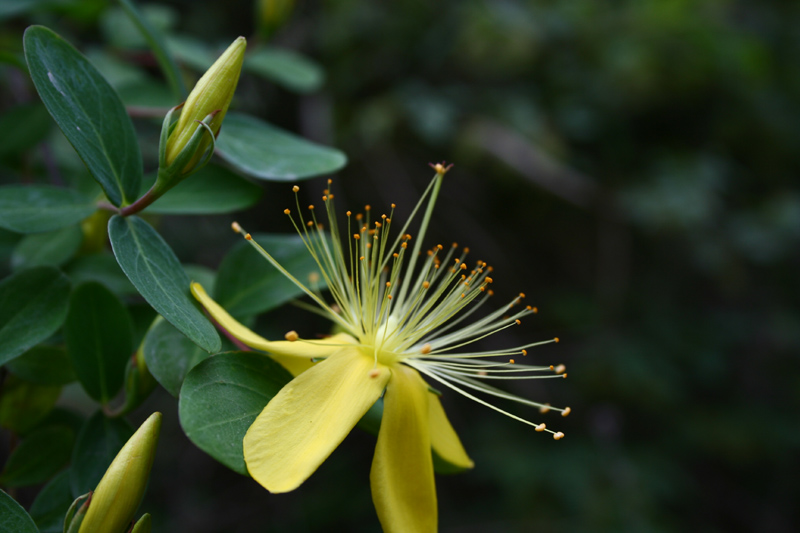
x=631, y=165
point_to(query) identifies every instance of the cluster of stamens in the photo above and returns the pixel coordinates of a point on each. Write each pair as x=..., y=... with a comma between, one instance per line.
x=414, y=314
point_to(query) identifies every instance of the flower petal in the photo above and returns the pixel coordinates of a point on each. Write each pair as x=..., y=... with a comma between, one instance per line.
x=309, y=417
x=403, y=488
x=295, y=356
x=451, y=455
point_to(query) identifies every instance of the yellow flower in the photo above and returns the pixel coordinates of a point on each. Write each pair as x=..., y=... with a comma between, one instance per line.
x=399, y=321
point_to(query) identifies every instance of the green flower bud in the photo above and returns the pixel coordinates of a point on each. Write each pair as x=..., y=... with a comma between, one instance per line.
x=120, y=492
x=211, y=96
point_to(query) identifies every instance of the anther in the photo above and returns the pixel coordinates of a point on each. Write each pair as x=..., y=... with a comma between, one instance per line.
x=291, y=336
x=388, y=284
x=518, y=321
x=311, y=207
x=374, y=373
x=425, y=284
x=545, y=408
x=309, y=223
x=393, y=206
x=349, y=213
x=489, y=280
x=356, y=236
x=295, y=188
x=426, y=349
x=564, y=375
x=540, y=427
x=522, y=295
x=236, y=227
x=286, y=212
x=463, y=266
x=511, y=361
x=566, y=412
x=536, y=310
x=324, y=197
x=524, y=352
x=560, y=369
x=558, y=436
x=248, y=237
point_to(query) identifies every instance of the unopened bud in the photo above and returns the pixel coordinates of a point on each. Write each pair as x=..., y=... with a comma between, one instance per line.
x=119, y=493
x=211, y=96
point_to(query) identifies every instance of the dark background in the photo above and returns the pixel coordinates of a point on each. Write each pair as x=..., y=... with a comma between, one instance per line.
x=632, y=167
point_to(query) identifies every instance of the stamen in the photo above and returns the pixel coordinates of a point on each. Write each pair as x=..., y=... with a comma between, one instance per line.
x=291, y=336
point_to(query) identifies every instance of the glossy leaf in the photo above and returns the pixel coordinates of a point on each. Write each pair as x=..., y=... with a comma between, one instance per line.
x=13, y=518
x=212, y=190
x=37, y=208
x=44, y=365
x=170, y=355
x=40, y=455
x=222, y=396
x=152, y=267
x=247, y=284
x=50, y=506
x=99, y=337
x=23, y=405
x=88, y=111
x=263, y=151
x=33, y=305
x=99, y=441
x=287, y=68
x=51, y=248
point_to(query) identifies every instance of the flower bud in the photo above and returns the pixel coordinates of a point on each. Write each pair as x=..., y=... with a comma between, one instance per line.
x=119, y=493
x=211, y=96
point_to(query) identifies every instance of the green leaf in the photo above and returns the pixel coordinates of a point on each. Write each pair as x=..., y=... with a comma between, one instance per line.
x=33, y=305
x=88, y=111
x=30, y=123
x=152, y=267
x=222, y=396
x=99, y=441
x=263, y=151
x=102, y=268
x=99, y=337
x=37, y=208
x=212, y=190
x=13, y=518
x=50, y=506
x=23, y=405
x=285, y=67
x=170, y=355
x=248, y=285
x=38, y=457
x=44, y=365
x=51, y=248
